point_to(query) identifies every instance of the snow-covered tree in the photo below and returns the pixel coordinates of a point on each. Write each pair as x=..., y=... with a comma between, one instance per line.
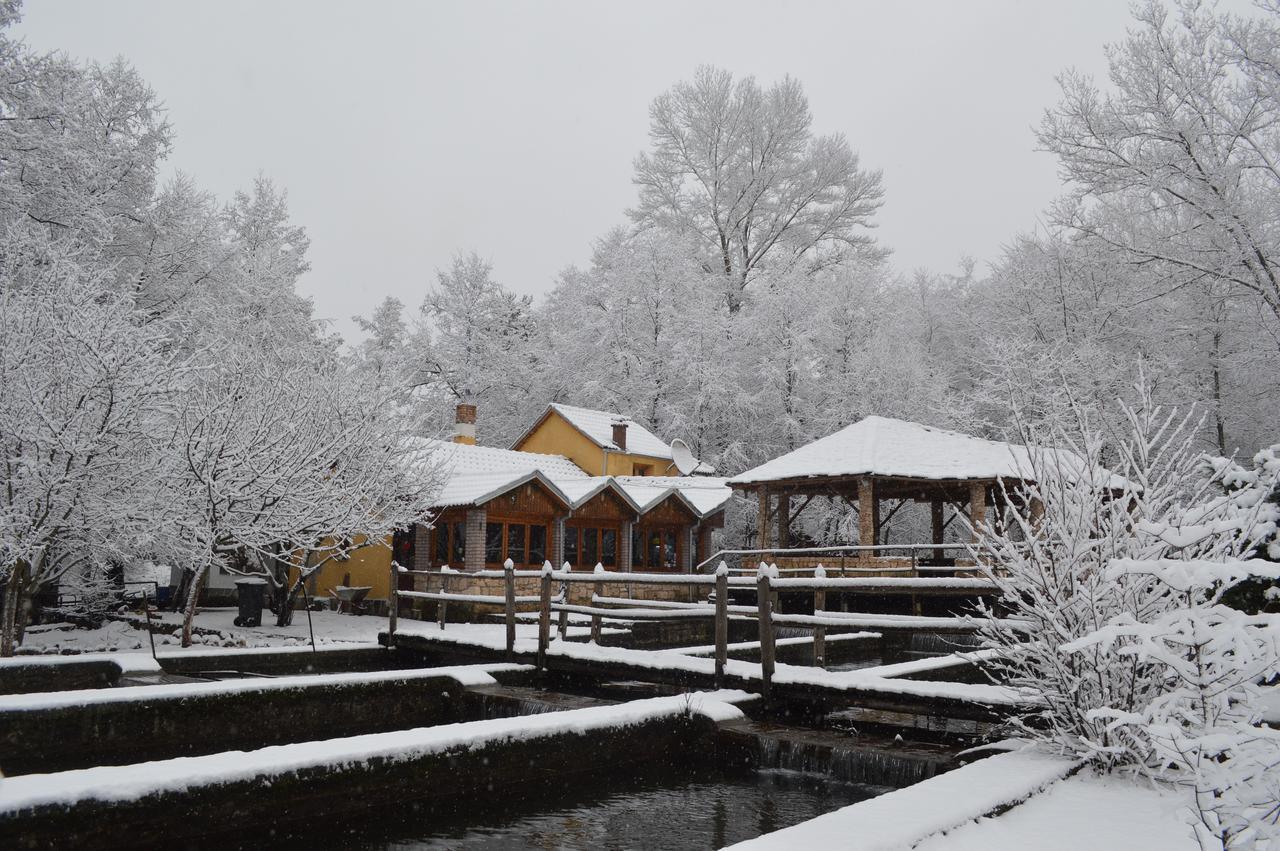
x=475, y=343
x=1176, y=165
x=738, y=168
x=82, y=386
x=286, y=464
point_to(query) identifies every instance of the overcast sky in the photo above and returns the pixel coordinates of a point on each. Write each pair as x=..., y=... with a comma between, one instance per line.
x=406, y=132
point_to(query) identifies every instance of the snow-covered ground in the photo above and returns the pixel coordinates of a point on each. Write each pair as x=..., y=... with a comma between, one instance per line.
x=331, y=629
x=1084, y=811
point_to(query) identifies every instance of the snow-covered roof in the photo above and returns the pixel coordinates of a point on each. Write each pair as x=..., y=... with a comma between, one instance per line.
x=581, y=491
x=706, y=494
x=598, y=427
x=473, y=475
x=479, y=488
x=880, y=446
x=456, y=459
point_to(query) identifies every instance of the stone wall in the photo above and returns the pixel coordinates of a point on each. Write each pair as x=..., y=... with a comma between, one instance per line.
x=580, y=594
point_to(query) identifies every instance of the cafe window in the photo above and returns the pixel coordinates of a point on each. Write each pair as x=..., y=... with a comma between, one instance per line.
x=493, y=543
x=571, y=546
x=609, y=547
x=584, y=548
x=537, y=544
x=449, y=544
x=525, y=544
x=515, y=542
x=655, y=549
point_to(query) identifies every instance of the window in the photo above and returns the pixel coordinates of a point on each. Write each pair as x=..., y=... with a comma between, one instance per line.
x=584, y=548
x=609, y=547
x=656, y=549
x=525, y=544
x=440, y=543
x=642, y=469
x=493, y=543
x=571, y=545
x=458, y=547
x=515, y=543
x=537, y=544
x=402, y=547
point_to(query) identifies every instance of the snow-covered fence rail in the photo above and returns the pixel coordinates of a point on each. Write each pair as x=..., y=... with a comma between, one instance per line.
x=885, y=558
x=766, y=584
x=508, y=599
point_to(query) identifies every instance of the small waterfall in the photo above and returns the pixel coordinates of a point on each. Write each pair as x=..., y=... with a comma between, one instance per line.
x=878, y=763
x=499, y=701
x=504, y=706
x=934, y=644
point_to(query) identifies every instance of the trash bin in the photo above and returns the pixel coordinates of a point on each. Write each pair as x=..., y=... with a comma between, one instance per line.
x=250, y=594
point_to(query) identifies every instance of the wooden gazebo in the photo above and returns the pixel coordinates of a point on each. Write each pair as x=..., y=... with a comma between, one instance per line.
x=874, y=460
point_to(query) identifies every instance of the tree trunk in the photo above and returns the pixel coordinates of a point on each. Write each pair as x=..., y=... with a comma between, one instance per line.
x=180, y=593
x=285, y=617
x=193, y=594
x=14, y=593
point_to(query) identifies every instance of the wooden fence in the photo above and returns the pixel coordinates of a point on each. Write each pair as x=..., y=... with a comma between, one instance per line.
x=766, y=584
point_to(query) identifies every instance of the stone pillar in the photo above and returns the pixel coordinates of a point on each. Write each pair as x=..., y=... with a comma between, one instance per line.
x=625, y=557
x=868, y=513
x=977, y=504
x=555, y=546
x=474, y=551
x=422, y=539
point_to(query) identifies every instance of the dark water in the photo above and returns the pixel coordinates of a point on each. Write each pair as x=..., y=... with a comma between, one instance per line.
x=650, y=810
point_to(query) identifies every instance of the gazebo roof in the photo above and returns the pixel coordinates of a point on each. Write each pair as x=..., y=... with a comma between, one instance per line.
x=884, y=447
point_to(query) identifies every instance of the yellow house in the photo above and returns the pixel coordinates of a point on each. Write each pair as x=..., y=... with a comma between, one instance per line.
x=601, y=443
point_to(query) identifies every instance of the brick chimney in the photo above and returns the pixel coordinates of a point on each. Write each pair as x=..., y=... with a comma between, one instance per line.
x=620, y=434
x=464, y=430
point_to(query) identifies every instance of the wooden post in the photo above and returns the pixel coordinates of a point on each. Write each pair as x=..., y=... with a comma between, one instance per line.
x=722, y=621
x=763, y=522
x=597, y=590
x=393, y=604
x=764, y=598
x=443, y=605
x=819, y=631
x=935, y=515
x=509, y=577
x=977, y=506
x=562, y=628
x=868, y=516
x=784, y=521
x=544, y=620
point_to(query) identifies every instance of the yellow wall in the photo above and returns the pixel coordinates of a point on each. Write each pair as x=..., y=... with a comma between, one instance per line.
x=369, y=565
x=555, y=436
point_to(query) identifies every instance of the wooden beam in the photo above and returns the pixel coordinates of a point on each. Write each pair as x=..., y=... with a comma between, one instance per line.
x=762, y=522
x=939, y=528
x=784, y=521
x=868, y=512
x=977, y=505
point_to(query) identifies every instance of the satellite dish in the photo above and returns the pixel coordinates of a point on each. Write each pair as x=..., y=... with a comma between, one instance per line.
x=683, y=457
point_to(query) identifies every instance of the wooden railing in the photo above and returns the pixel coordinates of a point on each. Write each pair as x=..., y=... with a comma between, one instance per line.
x=766, y=583
x=849, y=559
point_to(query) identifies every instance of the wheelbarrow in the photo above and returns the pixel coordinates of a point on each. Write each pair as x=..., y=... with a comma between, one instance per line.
x=351, y=598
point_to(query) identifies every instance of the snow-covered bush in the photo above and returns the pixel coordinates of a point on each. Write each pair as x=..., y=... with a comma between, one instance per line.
x=1112, y=585
x=1202, y=726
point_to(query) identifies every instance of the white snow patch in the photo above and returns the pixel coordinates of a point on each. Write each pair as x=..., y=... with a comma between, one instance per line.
x=901, y=818
x=467, y=675
x=131, y=782
x=1085, y=811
